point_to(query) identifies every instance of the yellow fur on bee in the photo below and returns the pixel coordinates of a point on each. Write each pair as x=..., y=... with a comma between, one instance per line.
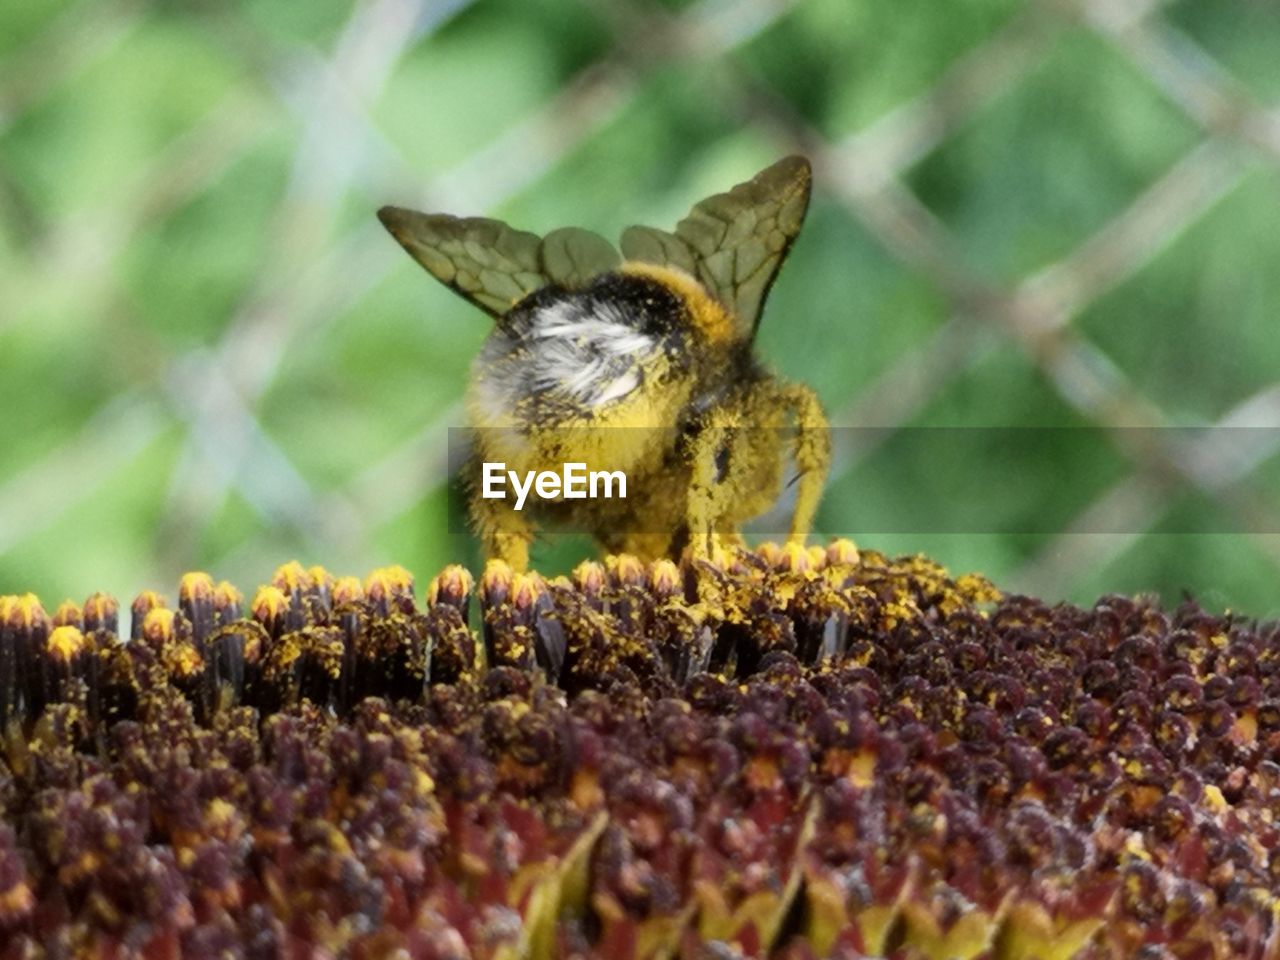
x=707, y=316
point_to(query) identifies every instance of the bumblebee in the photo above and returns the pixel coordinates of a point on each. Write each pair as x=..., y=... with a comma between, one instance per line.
x=640, y=362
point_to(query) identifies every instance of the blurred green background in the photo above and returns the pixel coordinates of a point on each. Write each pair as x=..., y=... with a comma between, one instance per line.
x=1035, y=214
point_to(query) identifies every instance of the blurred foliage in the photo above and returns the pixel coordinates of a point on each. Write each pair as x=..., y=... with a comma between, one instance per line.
x=210, y=355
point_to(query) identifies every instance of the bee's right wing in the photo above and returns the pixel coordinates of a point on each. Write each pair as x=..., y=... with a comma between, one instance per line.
x=734, y=242
x=650, y=245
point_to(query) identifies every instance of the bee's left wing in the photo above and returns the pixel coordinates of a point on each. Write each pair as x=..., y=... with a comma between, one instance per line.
x=739, y=239
x=492, y=264
x=486, y=261
x=572, y=257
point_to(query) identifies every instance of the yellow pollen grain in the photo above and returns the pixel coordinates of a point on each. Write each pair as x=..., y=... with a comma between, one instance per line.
x=425, y=783
x=1135, y=847
x=220, y=811
x=17, y=900
x=1215, y=799
x=186, y=661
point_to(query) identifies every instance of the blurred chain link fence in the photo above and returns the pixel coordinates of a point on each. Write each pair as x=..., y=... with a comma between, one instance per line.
x=1028, y=212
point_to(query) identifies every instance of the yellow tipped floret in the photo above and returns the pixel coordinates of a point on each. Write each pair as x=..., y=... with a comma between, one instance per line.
x=25, y=612
x=452, y=584
x=68, y=614
x=347, y=590
x=626, y=568
x=401, y=577
x=269, y=603
x=903, y=679
x=157, y=625
x=589, y=576
x=665, y=578
x=526, y=588
x=794, y=557
x=226, y=595
x=145, y=602
x=770, y=553
x=842, y=551
x=65, y=643
x=195, y=586
x=393, y=580
x=977, y=589
x=100, y=609
x=495, y=582
x=291, y=577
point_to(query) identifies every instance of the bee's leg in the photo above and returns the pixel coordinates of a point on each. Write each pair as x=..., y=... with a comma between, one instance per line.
x=704, y=509
x=504, y=533
x=812, y=452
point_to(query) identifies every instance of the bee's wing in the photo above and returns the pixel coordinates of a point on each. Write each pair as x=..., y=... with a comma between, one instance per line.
x=650, y=245
x=494, y=265
x=572, y=256
x=486, y=261
x=740, y=238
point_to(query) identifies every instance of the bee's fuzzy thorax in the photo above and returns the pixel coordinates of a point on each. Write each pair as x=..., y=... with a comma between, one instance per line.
x=573, y=352
x=707, y=317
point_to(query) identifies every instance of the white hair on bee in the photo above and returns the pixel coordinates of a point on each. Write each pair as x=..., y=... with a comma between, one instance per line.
x=581, y=349
x=584, y=352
